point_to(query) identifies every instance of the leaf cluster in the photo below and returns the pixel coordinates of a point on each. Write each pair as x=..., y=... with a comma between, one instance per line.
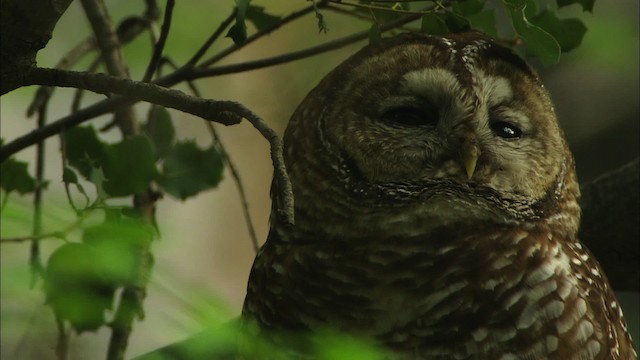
x=81, y=278
x=180, y=168
x=545, y=35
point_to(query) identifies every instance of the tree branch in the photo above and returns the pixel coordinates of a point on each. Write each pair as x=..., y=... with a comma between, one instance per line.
x=133, y=295
x=159, y=47
x=127, y=31
x=201, y=72
x=287, y=19
x=207, y=44
x=182, y=74
x=26, y=28
x=212, y=110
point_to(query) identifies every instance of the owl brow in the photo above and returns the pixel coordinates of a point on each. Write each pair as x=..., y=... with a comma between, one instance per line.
x=395, y=101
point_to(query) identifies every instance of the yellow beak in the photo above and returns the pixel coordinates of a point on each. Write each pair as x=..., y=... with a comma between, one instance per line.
x=469, y=156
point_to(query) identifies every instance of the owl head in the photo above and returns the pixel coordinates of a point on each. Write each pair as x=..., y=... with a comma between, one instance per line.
x=417, y=131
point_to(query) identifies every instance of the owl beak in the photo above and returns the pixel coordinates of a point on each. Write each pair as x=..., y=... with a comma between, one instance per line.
x=469, y=156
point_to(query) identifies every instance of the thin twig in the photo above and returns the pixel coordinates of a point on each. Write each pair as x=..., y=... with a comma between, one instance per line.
x=62, y=345
x=67, y=62
x=236, y=179
x=22, y=239
x=284, y=194
x=207, y=44
x=232, y=168
x=68, y=121
x=159, y=47
x=285, y=20
x=355, y=14
x=381, y=8
x=296, y=55
x=128, y=30
x=35, y=262
x=132, y=296
x=79, y=93
x=182, y=74
x=60, y=234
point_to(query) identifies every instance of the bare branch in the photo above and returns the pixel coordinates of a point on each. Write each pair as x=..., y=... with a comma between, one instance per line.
x=287, y=19
x=26, y=28
x=182, y=74
x=236, y=179
x=295, y=55
x=284, y=193
x=35, y=262
x=212, y=110
x=127, y=31
x=216, y=34
x=159, y=47
x=76, y=54
x=133, y=296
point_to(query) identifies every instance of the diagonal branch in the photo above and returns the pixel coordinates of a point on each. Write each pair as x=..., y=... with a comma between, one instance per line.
x=159, y=47
x=131, y=91
x=287, y=19
x=182, y=74
x=295, y=55
x=224, y=112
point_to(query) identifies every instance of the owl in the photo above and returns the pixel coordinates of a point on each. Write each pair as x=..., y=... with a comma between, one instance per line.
x=436, y=213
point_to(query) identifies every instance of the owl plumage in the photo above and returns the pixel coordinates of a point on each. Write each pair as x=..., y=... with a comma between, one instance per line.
x=436, y=212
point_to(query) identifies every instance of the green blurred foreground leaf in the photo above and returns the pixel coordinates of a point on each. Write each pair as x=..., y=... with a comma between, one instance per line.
x=81, y=278
x=75, y=288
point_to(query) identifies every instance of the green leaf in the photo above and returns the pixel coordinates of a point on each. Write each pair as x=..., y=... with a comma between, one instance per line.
x=467, y=7
x=568, y=32
x=98, y=179
x=15, y=177
x=260, y=19
x=75, y=289
x=433, y=24
x=539, y=42
x=160, y=129
x=375, y=35
x=69, y=176
x=84, y=150
x=129, y=166
x=188, y=170
x=120, y=244
x=238, y=32
x=530, y=9
x=484, y=21
x=335, y=346
x=587, y=5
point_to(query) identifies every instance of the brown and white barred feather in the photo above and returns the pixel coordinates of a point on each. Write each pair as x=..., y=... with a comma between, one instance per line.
x=399, y=237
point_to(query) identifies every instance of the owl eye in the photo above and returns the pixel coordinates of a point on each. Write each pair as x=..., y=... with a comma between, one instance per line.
x=411, y=116
x=506, y=130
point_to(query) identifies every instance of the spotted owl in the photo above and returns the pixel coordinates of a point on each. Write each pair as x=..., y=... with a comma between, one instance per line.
x=436, y=212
